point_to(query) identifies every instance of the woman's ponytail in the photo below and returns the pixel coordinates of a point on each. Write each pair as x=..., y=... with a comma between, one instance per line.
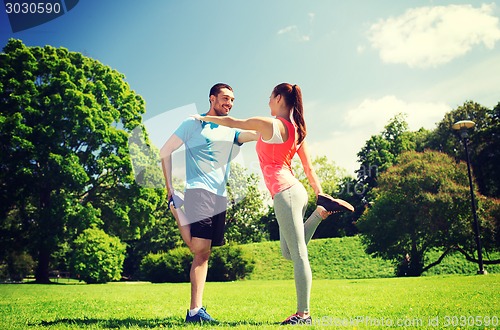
x=293, y=99
x=298, y=114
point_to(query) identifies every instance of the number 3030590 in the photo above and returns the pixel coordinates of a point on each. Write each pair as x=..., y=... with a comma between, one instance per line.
x=33, y=8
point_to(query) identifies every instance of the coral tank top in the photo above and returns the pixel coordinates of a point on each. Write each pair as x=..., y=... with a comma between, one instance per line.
x=276, y=161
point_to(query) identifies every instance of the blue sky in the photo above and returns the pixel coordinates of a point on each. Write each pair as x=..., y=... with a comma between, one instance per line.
x=358, y=62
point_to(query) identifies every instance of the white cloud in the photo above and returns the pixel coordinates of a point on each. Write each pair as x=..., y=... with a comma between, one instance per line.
x=373, y=114
x=296, y=32
x=430, y=36
x=287, y=29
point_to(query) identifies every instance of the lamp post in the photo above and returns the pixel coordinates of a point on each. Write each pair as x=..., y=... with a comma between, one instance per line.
x=462, y=127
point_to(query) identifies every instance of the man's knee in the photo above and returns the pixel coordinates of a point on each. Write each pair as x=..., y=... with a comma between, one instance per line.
x=201, y=248
x=202, y=257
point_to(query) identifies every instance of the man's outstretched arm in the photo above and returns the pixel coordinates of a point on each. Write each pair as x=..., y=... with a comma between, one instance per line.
x=247, y=136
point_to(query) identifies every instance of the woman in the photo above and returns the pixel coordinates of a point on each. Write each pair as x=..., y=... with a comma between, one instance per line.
x=280, y=139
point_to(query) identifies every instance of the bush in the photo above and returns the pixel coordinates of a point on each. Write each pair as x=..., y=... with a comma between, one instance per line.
x=98, y=257
x=172, y=266
x=16, y=266
x=226, y=263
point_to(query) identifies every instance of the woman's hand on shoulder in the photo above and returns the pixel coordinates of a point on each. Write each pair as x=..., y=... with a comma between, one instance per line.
x=197, y=117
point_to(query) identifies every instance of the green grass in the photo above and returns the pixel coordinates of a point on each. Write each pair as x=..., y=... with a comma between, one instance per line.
x=351, y=290
x=360, y=304
x=344, y=258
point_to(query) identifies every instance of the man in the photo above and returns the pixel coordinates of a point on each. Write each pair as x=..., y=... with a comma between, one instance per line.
x=209, y=149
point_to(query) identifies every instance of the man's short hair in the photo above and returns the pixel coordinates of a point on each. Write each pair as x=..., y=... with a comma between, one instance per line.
x=215, y=90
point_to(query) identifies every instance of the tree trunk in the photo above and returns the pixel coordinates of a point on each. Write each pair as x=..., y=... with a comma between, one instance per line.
x=42, y=269
x=45, y=234
x=416, y=263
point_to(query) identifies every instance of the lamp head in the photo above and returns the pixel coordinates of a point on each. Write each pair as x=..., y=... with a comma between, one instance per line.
x=462, y=126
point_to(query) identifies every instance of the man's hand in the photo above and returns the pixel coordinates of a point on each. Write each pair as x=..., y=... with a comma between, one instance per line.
x=170, y=192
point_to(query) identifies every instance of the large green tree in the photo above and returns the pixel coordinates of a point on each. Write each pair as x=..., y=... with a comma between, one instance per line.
x=381, y=151
x=484, y=143
x=65, y=120
x=423, y=203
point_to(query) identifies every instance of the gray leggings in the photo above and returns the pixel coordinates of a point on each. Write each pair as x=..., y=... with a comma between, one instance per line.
x=289, y=207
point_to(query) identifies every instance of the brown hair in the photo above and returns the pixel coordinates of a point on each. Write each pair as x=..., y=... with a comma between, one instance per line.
x=215, y=90
x=293, y=98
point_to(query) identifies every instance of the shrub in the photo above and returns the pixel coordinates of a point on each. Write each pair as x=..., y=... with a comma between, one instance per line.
x=226, y=263
x=172, y=266
x=98, y=257
x=16, y=266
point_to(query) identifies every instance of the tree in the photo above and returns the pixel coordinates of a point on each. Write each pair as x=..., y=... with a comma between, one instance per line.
x=65, y=166
x=161, y=235
x=381, y=151
x=329, y=175
x=423, y=203
x=98, y=257
x=484, y=143
x=245, y=209
x=335, y=182
x=270, y=224
x=344, y=223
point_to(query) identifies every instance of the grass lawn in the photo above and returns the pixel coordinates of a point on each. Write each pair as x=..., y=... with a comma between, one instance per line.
x=433, y=302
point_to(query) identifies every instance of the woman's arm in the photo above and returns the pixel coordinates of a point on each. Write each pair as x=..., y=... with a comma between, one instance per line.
x=260, y=124
x=303, y=153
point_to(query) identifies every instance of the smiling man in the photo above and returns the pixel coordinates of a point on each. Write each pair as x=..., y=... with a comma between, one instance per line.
x=209, y=149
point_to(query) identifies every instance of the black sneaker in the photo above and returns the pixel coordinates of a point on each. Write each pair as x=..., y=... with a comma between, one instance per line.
x=334, y=205
x=295, y=319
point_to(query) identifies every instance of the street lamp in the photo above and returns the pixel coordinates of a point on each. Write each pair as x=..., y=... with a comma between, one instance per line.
x=462, y=127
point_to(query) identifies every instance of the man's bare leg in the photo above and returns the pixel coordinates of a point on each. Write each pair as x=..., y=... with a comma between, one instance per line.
x=183, y=224
x=199, y=269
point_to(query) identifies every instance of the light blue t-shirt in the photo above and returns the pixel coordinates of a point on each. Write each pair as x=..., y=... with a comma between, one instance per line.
x=209, y=149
